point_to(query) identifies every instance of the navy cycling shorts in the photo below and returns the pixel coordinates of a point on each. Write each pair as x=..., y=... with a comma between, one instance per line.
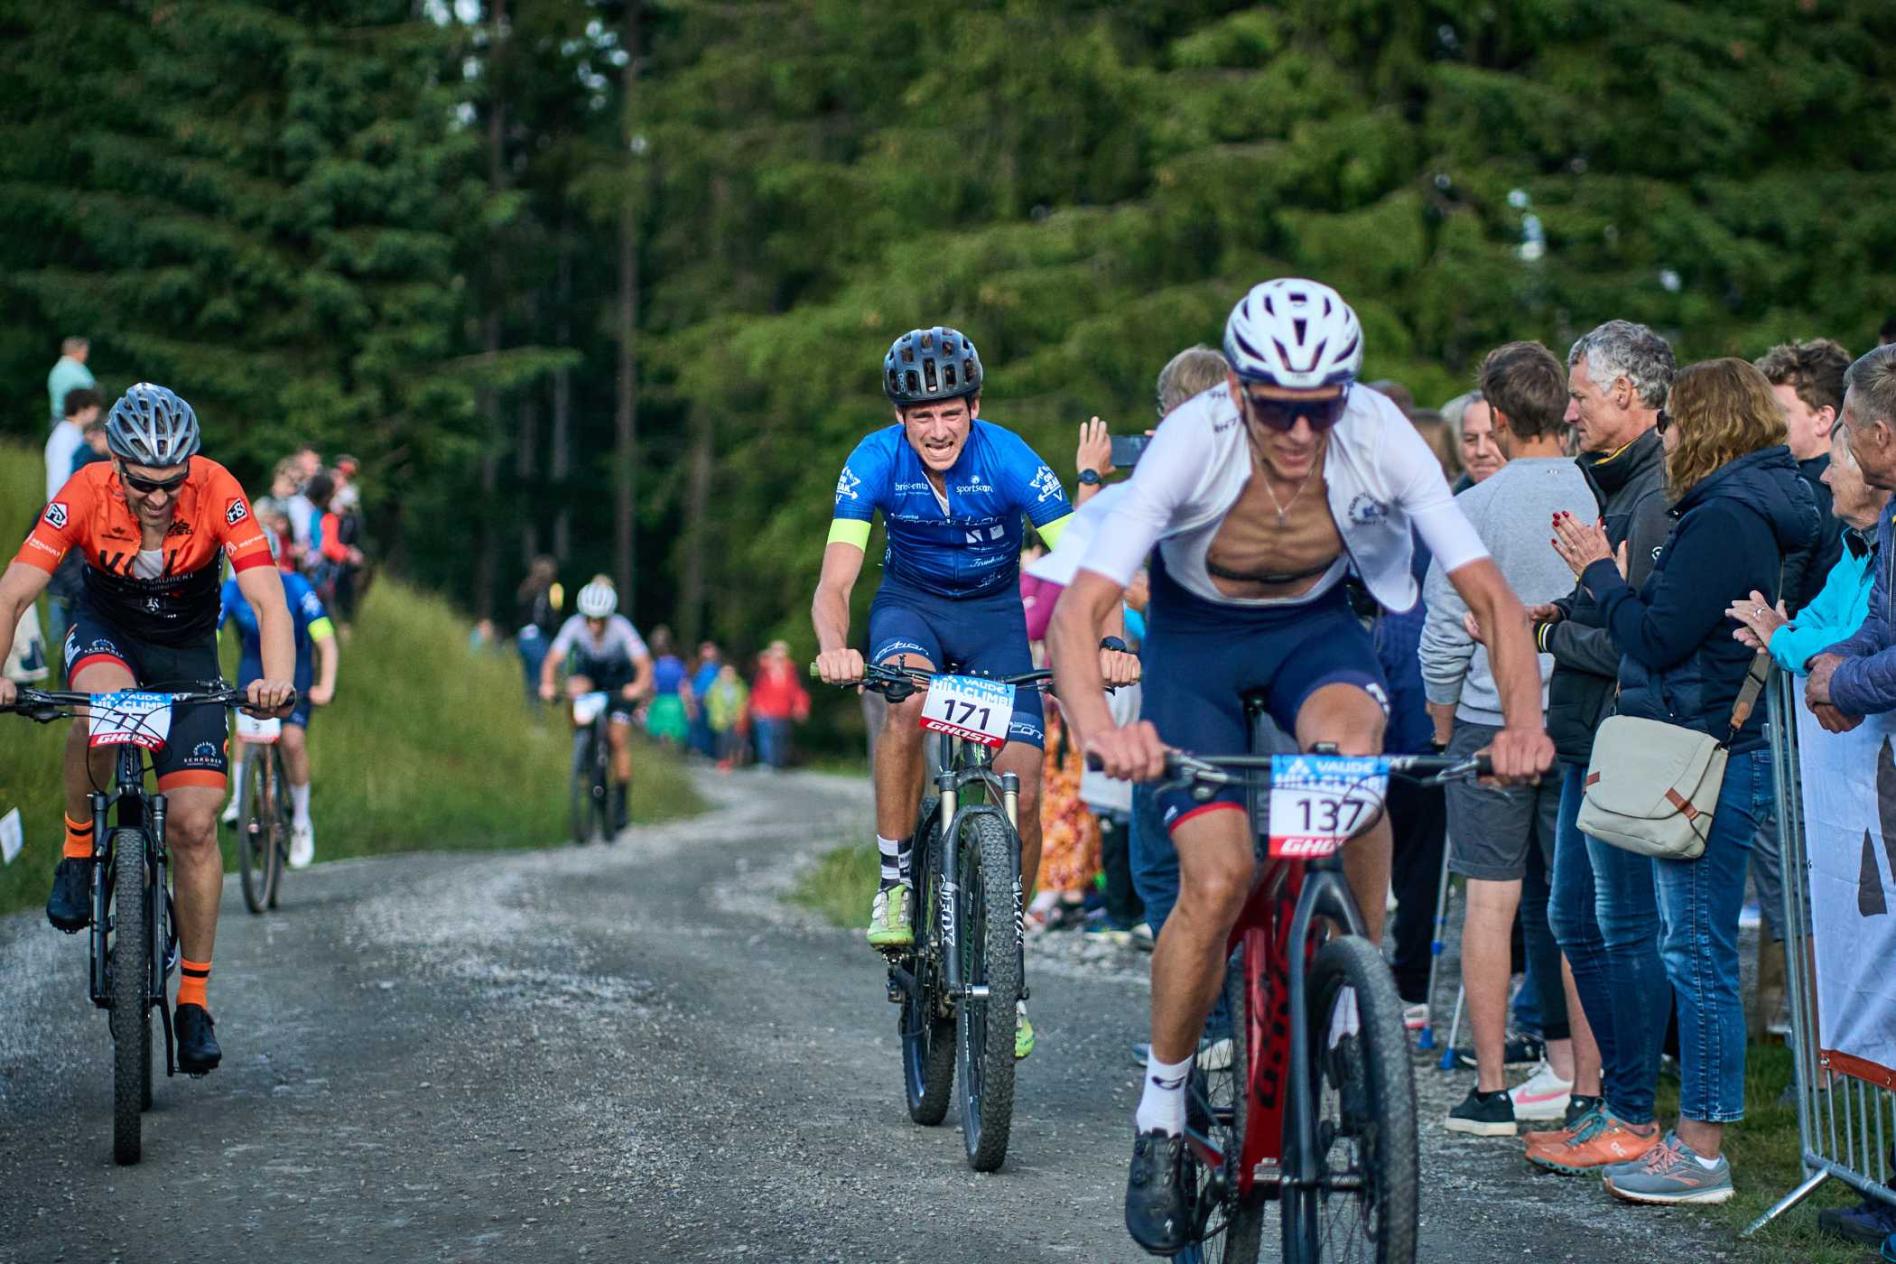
x=979, y=635
x=249, y=669
x=1201, y=659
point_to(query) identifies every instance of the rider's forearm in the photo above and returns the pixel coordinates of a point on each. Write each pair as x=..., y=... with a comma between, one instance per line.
x=277, y=643
x=829, y=615
x=1073, y=643
x=328, y=662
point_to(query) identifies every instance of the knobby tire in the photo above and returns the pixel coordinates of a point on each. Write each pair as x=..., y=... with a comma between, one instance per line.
x=129, y=959
x=990, y=955
x=277, y=855
x=926, y=1023
x=1362, y=1089
x=253, y=832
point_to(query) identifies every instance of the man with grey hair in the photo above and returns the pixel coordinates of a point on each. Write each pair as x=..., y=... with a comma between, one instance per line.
x=1602, y=908
x=69, y=373
x=1857, y=677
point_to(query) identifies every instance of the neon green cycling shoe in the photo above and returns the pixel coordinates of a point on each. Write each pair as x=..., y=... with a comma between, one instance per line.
x=889, y=918
x=1023, y=1031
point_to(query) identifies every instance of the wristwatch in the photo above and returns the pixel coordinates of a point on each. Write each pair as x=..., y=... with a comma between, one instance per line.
x=1091, y=478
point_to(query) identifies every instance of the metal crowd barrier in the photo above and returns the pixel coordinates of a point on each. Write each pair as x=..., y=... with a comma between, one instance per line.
x=1845, y=1126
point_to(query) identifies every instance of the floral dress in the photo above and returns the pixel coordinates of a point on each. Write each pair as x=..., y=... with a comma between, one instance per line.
x=1069, y=848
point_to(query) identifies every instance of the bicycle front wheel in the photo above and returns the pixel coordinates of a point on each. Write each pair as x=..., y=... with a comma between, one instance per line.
x=129, y=960
x=1361, y=1093
x=582, y=784
x=989, y=950
x=928, y=1025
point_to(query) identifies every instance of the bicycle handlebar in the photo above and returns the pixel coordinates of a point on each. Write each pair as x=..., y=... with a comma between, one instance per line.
x=44, y=706
x=897, y=683
x=1226, y=770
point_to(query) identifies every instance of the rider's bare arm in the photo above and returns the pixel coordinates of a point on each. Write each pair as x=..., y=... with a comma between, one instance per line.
x=829, y=611
x=20, y=587
x=1522, y=749
x=641, y=676
x=262, y=587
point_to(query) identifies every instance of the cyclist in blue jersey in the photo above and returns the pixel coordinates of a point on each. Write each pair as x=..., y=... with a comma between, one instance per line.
x=317, y=660
x=953, y=491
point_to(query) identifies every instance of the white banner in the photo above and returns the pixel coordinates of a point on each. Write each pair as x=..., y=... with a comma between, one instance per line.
x=1850, y=839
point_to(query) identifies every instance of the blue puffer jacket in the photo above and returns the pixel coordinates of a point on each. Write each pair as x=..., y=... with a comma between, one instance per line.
x=1743, y=526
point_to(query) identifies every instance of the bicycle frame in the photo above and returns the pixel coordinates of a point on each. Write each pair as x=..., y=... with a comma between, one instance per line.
x=145, y=812
x=966, y=764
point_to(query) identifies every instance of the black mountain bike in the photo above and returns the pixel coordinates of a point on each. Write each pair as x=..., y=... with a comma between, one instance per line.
x=134, y=938
x=264, y=814
x=959, y=982
x=591, y=795
x=1315, y=1106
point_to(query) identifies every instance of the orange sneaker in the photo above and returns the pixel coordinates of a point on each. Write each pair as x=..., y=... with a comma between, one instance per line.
x=1579, y=1111
x=1598, y=1141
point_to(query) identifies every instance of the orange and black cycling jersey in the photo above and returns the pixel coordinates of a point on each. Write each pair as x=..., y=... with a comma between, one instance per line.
x=168, y=595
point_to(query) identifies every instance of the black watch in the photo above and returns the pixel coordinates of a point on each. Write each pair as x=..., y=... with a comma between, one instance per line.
x=1115, y=644
x=1090, y=478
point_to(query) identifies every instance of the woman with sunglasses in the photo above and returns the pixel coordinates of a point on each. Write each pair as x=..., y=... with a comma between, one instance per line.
x=153, y=525
x=1254, y=501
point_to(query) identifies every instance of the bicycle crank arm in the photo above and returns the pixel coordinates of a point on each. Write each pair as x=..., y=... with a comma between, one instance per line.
x=901, y=984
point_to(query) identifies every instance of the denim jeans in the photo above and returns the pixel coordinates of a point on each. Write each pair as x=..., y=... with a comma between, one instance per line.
x=1699, y=902
x=773, y=741
x=533, y=646
x=1605, y=915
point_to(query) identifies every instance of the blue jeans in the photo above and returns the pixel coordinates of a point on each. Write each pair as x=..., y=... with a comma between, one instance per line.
x=533, y=645
x=773, y=741
x=1699, y=902
x=1605, y=915
x=1153, y=858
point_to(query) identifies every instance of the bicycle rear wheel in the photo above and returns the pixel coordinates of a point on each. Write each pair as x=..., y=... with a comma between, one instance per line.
x=582, y=783
x=926, y=1022
x=1362, y=1095
x=277, y=855
x=990, y=956
x=129, y=960
x=254, y=841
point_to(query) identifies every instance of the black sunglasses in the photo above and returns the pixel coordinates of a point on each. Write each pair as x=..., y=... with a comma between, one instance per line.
x=150, y=486
x=1282, y=414
x=1665, y=419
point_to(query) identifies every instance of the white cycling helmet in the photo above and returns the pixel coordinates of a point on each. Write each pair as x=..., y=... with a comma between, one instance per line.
x=599, y=599
x=1296, y=334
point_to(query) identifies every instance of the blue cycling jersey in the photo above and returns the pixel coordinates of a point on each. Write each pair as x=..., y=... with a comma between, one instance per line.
x=968, y=546
x=306, y=610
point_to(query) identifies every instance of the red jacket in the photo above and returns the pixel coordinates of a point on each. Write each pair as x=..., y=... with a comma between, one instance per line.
x=777, y=694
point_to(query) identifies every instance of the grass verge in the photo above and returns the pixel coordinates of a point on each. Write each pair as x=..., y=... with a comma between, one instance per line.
x=840, y=885
x=428, y=746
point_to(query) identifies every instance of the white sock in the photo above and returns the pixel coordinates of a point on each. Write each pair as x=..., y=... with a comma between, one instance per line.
x=1162, y=1104
x=236, y=773
x=299, y=802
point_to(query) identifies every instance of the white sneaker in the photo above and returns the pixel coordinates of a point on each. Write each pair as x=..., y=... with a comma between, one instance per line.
x=1543, y=1096
x=230, y=812
x=302, y=844
x=1415, y=1017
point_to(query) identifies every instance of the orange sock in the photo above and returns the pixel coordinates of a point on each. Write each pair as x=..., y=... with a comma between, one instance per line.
x=193, y=978
x=78, y=839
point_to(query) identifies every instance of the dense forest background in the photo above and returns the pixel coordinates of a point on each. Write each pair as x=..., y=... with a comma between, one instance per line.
x=613, y=279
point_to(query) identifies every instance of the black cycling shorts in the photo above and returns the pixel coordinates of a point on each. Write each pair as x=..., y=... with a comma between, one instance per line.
x=197, y=753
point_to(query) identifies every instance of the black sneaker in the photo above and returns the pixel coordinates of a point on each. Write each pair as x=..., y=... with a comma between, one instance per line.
x=1520, y=1051
x=1484, y=1114
x=197, y=1044
x=1158, y=1204
x=621, y=808
x=1578, y=1107
x=69, y=907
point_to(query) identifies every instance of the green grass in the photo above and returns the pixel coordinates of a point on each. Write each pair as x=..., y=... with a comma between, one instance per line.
x=428, y=746
x=841, y=884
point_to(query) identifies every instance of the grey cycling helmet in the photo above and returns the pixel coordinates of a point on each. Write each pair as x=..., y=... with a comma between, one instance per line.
x=926, y=365
x=151, y=426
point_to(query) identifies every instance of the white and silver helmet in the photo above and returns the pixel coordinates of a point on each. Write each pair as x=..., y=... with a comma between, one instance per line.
x=1296, y=334
x=152, y=426
x=599, y=599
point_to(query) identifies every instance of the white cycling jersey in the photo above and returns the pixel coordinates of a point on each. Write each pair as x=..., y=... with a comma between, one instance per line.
x=1379, y=475
x=618, y=645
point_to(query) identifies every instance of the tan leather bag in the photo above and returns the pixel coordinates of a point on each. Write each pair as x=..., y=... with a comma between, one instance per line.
x=1652, y=787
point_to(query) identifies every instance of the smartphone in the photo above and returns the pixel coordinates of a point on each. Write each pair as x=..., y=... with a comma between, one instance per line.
x=1127, y=449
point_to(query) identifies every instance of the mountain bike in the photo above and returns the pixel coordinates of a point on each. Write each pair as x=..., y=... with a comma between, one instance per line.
x=264, y=814
x=591, y=795
x=133, y=935
x=1315, y=1107
x=960, y=980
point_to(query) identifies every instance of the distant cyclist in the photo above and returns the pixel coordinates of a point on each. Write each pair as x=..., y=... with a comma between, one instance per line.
x=1252, y=502
x=154, y=525
x=953, y=491
x=607, y=656
x=318, y=656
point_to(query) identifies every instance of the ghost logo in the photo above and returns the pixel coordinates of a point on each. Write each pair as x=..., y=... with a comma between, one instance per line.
x=56, y=514
x=1871, y=900
x=235, y=514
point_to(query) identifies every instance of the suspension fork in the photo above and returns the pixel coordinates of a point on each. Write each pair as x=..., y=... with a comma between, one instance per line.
x=1324, y=894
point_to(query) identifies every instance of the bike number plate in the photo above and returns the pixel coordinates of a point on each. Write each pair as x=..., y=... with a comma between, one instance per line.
x=1319, y=802
x=130, y=718
x=586, y=708
x=969, y=707
x=258, y=732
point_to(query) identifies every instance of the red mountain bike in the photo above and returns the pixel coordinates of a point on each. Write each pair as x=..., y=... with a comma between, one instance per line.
x=1315, y=1108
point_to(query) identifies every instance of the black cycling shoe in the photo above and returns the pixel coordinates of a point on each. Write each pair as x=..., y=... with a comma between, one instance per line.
x=197, y=1045
x=621, y=808
x=1158, y=1205
x=69, y=907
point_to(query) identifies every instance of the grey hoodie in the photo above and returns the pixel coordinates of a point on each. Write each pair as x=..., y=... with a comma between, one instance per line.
x=1513, y=513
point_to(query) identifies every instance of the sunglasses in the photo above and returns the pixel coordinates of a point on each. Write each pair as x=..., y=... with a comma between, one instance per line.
x=149, y=486
x=1282, y=414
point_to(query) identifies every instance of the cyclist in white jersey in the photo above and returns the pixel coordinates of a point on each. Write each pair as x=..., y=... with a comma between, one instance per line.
x=608, y=655
x=1259, y=496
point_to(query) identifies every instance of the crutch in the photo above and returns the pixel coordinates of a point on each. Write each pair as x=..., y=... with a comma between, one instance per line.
x=1438, y=942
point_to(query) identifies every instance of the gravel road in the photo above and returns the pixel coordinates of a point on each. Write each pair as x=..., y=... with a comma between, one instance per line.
x=635, y=1053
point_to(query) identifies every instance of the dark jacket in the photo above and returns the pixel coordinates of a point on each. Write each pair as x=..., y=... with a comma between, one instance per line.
x=1816, y=569
x=1865, y=682
x=1736, y=530
x=1630, y=486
